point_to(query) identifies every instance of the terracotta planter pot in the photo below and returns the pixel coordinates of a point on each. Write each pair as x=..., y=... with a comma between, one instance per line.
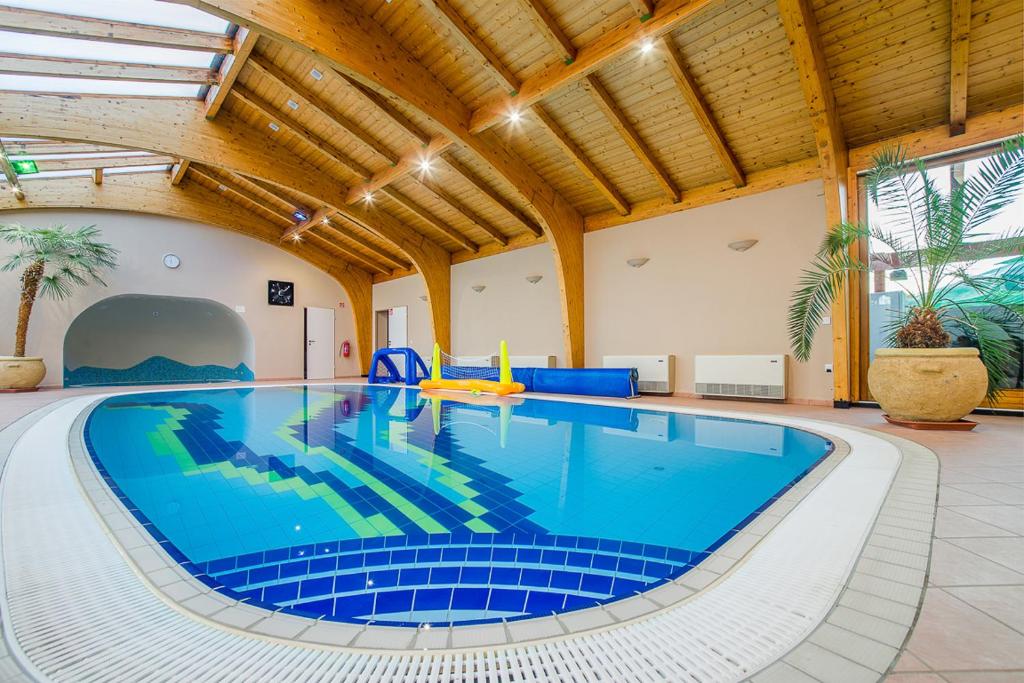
x=927, y=385
x=21, y=373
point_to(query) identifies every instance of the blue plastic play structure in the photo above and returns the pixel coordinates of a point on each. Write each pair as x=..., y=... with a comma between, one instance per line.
x=415, y=368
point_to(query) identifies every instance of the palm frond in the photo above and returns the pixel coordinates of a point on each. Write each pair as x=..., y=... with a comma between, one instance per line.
x=817, y=289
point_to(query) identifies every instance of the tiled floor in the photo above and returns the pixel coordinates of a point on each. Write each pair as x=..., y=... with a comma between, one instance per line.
x=971, y=627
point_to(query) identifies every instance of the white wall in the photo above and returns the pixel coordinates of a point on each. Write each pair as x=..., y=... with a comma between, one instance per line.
x=215, y=264
x=695, y=296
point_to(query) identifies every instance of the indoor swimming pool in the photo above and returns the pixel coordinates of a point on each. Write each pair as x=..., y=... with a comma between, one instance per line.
x=384, y=505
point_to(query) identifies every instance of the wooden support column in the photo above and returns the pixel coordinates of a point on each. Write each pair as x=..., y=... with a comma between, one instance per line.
x=833, y=156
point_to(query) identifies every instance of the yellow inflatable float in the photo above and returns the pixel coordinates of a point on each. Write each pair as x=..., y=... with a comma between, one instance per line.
x=502, y=387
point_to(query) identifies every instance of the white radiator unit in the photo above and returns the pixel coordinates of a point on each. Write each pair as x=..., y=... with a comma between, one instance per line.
x=656, y=374
x=530, y=361
x=761, y=377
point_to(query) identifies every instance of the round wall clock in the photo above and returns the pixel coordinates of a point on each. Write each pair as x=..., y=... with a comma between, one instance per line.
x=172, y=260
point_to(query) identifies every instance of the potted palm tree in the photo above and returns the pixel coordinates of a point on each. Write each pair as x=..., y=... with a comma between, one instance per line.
x=932, y=235
x=53, y=262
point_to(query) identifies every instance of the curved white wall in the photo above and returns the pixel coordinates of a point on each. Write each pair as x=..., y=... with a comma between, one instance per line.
x=215, y=264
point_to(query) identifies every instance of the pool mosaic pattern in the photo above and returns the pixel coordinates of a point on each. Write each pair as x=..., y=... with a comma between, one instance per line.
x=378, y=504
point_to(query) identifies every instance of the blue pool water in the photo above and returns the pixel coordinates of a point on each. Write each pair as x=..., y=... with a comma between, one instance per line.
x=369, y=503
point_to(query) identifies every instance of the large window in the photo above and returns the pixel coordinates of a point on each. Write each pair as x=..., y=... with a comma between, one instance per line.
x=888, y=287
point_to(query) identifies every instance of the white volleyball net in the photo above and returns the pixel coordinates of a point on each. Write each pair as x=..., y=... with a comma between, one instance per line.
x=495, y=367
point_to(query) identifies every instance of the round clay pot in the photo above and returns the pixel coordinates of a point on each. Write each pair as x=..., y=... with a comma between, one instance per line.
x=927, y=385
x=21, y=373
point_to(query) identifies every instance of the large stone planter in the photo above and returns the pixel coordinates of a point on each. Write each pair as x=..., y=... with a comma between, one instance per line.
x=20, y=374
x=927, y=385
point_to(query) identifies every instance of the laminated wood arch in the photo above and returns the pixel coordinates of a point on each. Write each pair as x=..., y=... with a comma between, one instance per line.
x=151, y=193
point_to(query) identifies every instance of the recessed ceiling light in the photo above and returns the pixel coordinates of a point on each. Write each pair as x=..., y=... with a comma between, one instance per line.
x=300, y=215
x=316, y=74
x=296, y=237
x=368, y=197
x=646, y=46
x=274, y=127
x=293, y=104
x=515, y=116
x=425, y=165
x=221, y=188
x=325, y=220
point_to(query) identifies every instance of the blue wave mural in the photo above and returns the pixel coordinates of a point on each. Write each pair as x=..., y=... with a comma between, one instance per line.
x=156, y=370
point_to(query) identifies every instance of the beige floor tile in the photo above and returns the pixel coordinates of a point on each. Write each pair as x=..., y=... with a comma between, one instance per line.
x=1002, y=493
x=956, y=566
x=983, y=676
x=951, y=635
x=950, y=524
x=914, y=678
x=1009, y=517
x=952, y=496
x=1005, y=603
x=908, y=662
x=1008, y=552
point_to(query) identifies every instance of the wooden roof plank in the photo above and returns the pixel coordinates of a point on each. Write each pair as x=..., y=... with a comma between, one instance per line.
x=464, y=34
x=453, y=202
x=583, y=163
x=349, y=253
x=481, y=185
x=230, y=185
x=432, y=220
x=643, y=8
x=62, y=67
x=369, y=246
x=386, y=107
x=959, y=50
x=243, y=44
x=406, y=165
x=40, y=23
x=549, y=28
x=629, y=134
x=702, y=113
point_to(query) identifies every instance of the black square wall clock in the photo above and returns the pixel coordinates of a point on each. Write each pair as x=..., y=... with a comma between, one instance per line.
x=280, y=293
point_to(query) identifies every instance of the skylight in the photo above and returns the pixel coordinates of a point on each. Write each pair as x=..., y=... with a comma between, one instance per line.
x=146, y=12
x=78, y=173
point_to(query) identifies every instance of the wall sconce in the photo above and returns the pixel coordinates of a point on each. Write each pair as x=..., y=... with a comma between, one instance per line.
x=637, y=262
x=534, y=279
x=423, y=297
x=742, y=245
x=479, y=288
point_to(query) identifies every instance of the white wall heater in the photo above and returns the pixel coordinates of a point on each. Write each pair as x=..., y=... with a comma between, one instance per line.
x=761, y=377
x=656, y=374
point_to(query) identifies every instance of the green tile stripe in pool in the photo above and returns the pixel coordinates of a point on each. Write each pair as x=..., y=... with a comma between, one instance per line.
x=376, y=504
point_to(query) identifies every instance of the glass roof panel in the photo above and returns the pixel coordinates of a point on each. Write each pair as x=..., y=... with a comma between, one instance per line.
x=149, y=12
x=79, y=155
x=51, y=46
x=96, y=87
x=45, y=175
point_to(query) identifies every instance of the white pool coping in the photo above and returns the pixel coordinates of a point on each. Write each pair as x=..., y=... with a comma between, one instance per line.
x=87, y=596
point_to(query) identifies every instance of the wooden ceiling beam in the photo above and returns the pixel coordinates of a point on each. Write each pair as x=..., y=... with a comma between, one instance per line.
x=299, y=130
x=619, y=42
x=178, y=171
x=449, y=17
x=10, y=174
x=231, y=185
x=432, y=220
x=387, y=107
x=492, y=194
x=39, y=23
x=643, y=8
x=583, y=163
x=409, y=163
x=349, y=254
x=801, y=28
x=97, y=176
x=62, y=67
x=364, y=243
x=306, y=98
x=606, y=103
x=101, y=162
x=549, y=28
x=958, y=55
x=473, y=217
x=690, y=91
x=242, y=44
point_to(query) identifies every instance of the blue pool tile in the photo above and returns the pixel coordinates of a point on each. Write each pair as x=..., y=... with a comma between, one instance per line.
x=627, y=586
x=425, y=555
x=347, y=583
x=382, y=579
x=445, y=575
x=528, y=555
x=505, y=576
x=282, y=592
x=553, y=557
x=353, y=605
x=234, y=579
x=539, y=602
x=470, y=598
x=249, y=560
x=414, y=576
x=316, y=608
x=322, y=565
x=275, y=555
x=477, y=575
x=222, y=565
x=629, y=565
x=313, y=587
x=378, y=558
x=350, y=561
x=535, y=577
x=432, y=598
x=566, y=580
x=507, y=600
x=597, y=583
x=300, y=568
x=578, y=602
x=606, y=562
x=577, y=559
x=453, y=554
x=504, y=555
x=393, y=601
x=403, y=556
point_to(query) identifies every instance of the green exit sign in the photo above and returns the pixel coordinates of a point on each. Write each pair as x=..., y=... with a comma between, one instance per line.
x=24, y=166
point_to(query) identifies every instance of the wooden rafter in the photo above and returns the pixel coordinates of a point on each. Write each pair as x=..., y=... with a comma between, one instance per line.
x=299, y=130
x=12, y=177
x=306, y=98
x=643, y=8
x=550, y=29
x=364, y=243
x=86, y=28
x=230, y=184
x=348, y=254
x=606, y=103
x=408, y=164
x=178, y=171
x=62, y=67
x=432, y=220
x=464, y=34
x=102, y=162
x=959, y=51
x=242, y=44
x=583, y=163
x=606, y=48
x=701, y=111
x=97, y=176
x=449, y=199
x=321, y=215
x=479, y=183
x=801, y=28
x=386, y=107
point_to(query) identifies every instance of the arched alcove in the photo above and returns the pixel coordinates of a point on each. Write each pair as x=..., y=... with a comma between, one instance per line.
x=146, y=339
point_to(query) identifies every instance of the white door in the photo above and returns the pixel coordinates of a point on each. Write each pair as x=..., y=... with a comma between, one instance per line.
x=398, y=327
x=319, y=343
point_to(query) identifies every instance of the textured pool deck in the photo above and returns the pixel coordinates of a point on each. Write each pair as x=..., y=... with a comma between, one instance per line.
x=969, y=629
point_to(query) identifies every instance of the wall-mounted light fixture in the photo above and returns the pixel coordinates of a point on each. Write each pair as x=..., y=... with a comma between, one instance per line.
x=742, y=245
x=638, y=262
x=423, y=297
x=479, y=288
x=534, y=279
